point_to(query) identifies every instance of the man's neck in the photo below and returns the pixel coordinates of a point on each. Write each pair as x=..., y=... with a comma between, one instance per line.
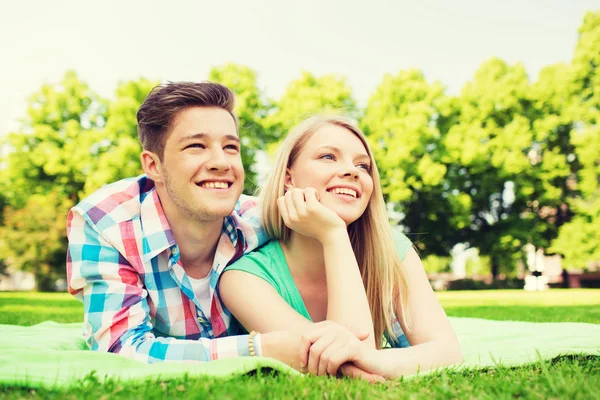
x=197, y=240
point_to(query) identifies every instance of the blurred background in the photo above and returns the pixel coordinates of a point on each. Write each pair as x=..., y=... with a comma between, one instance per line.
x=484, y=118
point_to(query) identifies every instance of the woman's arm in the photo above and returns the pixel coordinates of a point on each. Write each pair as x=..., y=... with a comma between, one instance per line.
x=347, y=302
x=432, y=339
x=258, y=306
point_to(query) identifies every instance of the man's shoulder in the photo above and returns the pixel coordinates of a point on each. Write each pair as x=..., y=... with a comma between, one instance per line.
x=246, y=217
x=246, y=204
x=120, y=200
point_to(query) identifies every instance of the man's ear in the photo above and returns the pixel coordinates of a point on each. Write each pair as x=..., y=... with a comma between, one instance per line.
x=151, y=165
x=289, y=181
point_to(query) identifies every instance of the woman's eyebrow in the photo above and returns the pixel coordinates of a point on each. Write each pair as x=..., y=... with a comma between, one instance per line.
x=337, y=150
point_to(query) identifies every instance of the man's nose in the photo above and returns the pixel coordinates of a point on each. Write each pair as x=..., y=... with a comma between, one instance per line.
x=218, y=161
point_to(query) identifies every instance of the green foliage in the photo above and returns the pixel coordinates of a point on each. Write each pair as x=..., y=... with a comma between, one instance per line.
x=115, y=152
x=401, y=123
x=434, y=264
x=307, y=96
x=33, y=238
x=578, y=239
x=72, y=143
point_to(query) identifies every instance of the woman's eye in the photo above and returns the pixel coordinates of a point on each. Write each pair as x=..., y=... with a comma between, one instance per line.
x=328, y=157
x=366, y=167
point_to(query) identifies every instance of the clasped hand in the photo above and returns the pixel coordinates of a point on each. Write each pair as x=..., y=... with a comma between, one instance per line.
x=329, y=348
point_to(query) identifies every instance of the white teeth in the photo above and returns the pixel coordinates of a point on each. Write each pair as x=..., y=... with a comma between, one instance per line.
x=344, y=191
x=218, y=185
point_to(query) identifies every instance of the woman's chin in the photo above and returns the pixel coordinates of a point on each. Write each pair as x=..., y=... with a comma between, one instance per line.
x=348, y=219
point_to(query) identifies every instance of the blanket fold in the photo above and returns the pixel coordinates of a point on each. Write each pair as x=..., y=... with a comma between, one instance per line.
x=54, y=355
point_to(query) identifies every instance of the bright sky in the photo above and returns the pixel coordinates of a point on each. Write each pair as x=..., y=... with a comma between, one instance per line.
x=112, y=40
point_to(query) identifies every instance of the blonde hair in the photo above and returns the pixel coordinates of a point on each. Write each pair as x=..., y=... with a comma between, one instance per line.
x=371, y=235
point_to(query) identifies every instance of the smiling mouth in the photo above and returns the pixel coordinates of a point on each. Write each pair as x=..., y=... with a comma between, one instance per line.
x=345, y=192
x=214, y=185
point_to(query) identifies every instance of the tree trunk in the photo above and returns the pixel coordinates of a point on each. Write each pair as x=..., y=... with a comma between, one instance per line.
x=45, y=283
x=495, y=268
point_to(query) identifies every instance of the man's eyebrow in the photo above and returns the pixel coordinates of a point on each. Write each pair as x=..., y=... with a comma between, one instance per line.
x=206, y=136
x=337, y=150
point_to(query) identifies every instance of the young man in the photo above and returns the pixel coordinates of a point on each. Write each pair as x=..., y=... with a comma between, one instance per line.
x=145, y=253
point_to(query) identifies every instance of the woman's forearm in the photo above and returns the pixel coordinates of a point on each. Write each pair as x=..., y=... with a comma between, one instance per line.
x=393, y=363
x=347, y=302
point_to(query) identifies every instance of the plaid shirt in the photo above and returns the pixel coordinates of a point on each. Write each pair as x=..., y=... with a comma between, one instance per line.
x=123, y=263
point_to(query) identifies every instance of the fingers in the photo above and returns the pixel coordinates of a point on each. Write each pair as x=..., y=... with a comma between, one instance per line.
x=318, y=330
x=312, y=198
x=354, y=372
x=325, y=365
x=298, y=201
x=316, y=351
x=336, y=359
x=289, y=203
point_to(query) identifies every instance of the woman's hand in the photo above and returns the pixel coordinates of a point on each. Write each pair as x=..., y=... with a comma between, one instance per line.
x=302, y=212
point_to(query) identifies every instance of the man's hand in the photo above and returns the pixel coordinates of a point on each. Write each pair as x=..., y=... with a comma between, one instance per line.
x=283, y=346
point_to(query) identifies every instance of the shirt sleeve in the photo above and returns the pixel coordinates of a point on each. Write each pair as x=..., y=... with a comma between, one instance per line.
x=116, y=311
x=403, y=244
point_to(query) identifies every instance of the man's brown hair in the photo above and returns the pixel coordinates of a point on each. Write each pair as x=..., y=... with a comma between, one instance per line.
x=158, y=111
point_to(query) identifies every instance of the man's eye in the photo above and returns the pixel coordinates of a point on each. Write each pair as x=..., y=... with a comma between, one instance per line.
x=232, y=147
x=195, y=146
x=328, y=156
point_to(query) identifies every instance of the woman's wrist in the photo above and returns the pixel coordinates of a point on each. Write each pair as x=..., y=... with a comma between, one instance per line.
x=334, y=236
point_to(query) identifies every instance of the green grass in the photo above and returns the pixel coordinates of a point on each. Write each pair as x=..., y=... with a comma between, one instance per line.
x=575, y=377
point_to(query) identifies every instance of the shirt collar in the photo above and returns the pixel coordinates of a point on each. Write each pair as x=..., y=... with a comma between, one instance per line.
x=157, y=233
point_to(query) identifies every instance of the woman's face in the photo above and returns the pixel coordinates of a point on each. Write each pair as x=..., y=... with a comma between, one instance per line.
x=335, y=162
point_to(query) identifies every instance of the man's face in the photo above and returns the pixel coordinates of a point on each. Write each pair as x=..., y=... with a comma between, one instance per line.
x=202, y=170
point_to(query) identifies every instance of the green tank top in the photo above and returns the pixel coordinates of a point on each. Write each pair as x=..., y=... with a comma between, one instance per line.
x=268, y=262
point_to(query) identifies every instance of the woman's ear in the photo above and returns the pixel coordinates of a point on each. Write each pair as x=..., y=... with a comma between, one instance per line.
x=289, y=181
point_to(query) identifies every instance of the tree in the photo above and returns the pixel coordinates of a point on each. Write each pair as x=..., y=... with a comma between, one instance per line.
x=307, y=96
x=51, y=151
x=578, y=239
x=401, y=121
x=116, y=150
x=33, y=238
x=71, y=143
x=512, y=163
x=251, y=108
x=45, y=171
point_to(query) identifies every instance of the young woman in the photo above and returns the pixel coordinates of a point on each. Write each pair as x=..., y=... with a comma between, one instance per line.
x=333, y=257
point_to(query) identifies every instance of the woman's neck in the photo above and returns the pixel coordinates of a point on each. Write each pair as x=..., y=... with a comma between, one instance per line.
x=305, y=259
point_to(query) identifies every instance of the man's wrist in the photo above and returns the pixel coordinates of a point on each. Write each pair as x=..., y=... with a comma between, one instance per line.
x=258, y=345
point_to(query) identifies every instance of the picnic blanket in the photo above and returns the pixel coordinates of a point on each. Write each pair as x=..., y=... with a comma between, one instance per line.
x=54, y=355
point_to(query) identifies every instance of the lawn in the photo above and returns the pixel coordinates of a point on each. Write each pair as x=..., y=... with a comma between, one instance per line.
x=576, y=377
